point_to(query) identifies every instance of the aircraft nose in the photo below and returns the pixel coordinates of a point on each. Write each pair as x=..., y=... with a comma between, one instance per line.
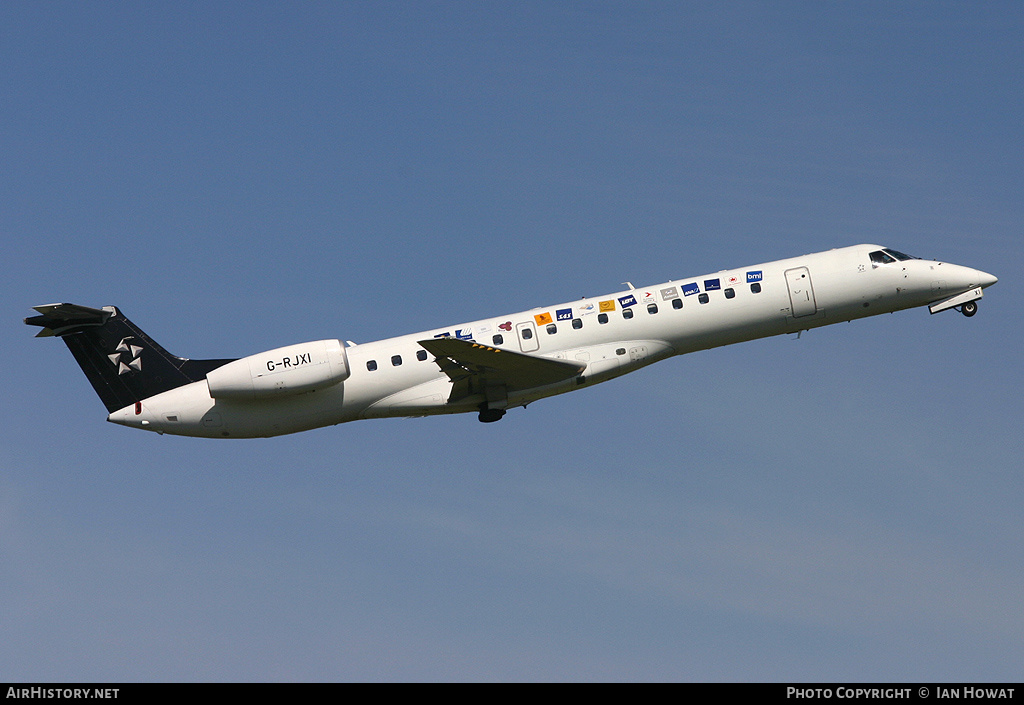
x=985, y=279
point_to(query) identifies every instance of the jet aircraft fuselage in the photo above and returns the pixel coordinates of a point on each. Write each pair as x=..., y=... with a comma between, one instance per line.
x=498, y=363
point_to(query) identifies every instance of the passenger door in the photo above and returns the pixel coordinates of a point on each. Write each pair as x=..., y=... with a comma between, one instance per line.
x=801, y=293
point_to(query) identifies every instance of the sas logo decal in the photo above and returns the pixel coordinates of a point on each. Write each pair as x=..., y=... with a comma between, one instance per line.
x=691, y=289
x=627, y=301
x=607, y=305
x=542, y=318
x=506, y=326
x=563, y=314
x=134, y=353
x=753, y=276
x=712, y=284
x=669, y=294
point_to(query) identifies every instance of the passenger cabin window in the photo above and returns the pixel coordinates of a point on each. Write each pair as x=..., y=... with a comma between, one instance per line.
x=730, y=293
x=396, y=360
x=421, y=355
x=652, y=308
x=527, y=333
x=602, y=318
x=627, y=313
x=755, y=288
x=677, y=303
x=371, y=365
x=577, y=323
x=703, y=298
x=498, y=339
x=552, y=329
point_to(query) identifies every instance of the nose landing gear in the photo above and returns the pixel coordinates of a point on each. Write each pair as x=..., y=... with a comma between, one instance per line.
x=966, y=303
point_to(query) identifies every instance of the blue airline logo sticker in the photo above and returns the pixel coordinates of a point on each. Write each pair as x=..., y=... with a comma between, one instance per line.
x=563, y=314
x=626, y=301
x=460, y=333
x=691, y=289
x=712, y=284
x=754, y=276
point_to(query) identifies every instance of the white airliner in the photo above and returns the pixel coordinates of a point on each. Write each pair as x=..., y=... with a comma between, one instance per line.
x=494, y=364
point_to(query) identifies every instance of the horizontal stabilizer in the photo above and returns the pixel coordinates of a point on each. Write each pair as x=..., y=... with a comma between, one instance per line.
x=462, y=358
x=60, y=319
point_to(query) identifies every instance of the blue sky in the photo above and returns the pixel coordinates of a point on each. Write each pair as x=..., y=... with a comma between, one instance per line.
x=236, y=177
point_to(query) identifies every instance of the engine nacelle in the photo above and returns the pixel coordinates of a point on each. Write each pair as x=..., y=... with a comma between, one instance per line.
x=290, y=370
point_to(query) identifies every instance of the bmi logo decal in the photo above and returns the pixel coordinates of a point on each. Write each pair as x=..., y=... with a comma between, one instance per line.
x=127, y=358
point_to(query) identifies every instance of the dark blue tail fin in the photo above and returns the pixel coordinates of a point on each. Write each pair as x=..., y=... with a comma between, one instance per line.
x=123, y=364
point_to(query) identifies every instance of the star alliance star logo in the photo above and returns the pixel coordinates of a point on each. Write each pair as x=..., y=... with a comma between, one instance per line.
x=134, y=353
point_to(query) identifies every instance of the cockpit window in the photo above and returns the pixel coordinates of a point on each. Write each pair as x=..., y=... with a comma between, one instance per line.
x=887, y=256
x=898, y=255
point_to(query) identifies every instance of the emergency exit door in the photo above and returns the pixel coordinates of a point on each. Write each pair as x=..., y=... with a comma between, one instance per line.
x=527, y=333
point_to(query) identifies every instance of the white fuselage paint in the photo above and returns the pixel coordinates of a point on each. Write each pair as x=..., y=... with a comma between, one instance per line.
x=796, y=294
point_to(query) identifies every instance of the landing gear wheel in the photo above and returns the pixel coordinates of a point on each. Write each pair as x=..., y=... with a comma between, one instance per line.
x=491, y=415
x=969, y=309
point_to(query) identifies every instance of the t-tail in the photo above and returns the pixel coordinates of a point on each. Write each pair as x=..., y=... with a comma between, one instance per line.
x=123, y=364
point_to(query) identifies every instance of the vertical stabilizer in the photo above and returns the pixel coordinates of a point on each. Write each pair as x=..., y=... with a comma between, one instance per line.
x=123, y=364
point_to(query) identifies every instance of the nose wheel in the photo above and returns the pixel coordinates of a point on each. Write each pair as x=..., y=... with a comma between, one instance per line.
x=969, y=309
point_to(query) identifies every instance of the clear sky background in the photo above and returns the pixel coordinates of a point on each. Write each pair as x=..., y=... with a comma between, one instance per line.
x=241, y=176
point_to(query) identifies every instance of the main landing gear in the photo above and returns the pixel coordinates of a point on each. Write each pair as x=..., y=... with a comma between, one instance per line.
x=490, y=415
x=969, y=309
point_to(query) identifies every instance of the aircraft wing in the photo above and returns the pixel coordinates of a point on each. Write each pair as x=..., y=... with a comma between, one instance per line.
x=472, y=366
